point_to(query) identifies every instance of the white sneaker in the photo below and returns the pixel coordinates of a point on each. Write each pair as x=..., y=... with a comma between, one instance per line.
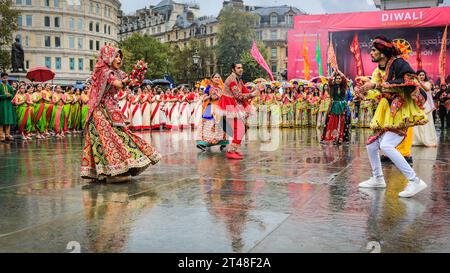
x=373, y=182
x=413, y=188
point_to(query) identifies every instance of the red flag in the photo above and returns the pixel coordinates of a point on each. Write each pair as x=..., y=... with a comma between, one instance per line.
x=356, y=50
x=442, y=56
x=418, y=53
x=260, y=59
x=306, y=66
x=332, y=57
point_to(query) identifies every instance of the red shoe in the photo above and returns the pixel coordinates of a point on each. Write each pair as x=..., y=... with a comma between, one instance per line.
x=234, y=155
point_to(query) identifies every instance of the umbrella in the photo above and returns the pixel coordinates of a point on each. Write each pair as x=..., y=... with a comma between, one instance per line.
x=40, y=74
x=79, y=86
x=12, y=79
x=147, y=82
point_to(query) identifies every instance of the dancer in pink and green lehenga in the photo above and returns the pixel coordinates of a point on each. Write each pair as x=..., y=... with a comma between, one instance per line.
x=24, y=112
x=84, y=107
x=39, y=119
x=57, y=120
x=111, y=151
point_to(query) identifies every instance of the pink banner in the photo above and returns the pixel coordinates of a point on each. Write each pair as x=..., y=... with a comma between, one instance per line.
x=260, y=59
x=400, y=25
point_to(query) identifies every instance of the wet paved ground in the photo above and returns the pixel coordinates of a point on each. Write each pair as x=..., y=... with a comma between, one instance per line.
x=290, y=194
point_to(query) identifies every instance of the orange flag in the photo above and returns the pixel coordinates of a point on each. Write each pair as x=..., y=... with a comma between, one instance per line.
x=442, y=56
x=306, y=67
x=332, y=57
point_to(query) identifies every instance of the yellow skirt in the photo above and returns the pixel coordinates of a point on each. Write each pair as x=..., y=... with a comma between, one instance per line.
x=408, y=115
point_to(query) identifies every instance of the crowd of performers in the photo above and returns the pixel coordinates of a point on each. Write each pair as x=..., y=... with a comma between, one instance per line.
x=42, y=110
x=396, y=102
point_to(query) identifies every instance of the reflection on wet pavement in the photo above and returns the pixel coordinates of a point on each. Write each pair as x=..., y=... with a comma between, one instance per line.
x=290, y=194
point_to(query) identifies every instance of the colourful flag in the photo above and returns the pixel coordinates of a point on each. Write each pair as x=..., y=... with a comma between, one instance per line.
x=442, y=56
x=418, y=53
x=332, y=57
x=356, y=50
x=306, y=66
x=318, y=56
x=260, y=59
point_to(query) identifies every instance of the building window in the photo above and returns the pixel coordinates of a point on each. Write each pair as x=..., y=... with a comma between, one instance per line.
x=47, y=21
x=29, y=20
x=71, y=24
x=109, y=30
x=27, y=41
x=273, y=19
x=91, y=44
x=56, y=3
x=47, y=3
x=274, y=68
x=57, y=41
x=91, y=7
x=274, y=52
x=91, y=65
x=47, y=41
x=80, y=64
x=97, y=8
x=80, y=43
x=18, y=2
x=19, y=21
x=273, y=35
x=211, y=41
x=97, y=45
x=58, y=63
x=91, y=26
x=29, y=3
x=27, y=65
x=97, y=27
x=80, y=24
x=168, y=37
x=290, y=20
x=72, y=63
x=105, y=29
x=71, y=42
x=48, y=62
x=57, y=22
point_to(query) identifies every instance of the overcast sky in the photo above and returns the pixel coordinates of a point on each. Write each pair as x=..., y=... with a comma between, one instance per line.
x=212, y=7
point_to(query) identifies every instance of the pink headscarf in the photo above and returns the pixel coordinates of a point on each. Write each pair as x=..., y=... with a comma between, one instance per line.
x=100, y=76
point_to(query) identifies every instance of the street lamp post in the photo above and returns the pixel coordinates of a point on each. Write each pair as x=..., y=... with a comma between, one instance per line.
x=196, y=60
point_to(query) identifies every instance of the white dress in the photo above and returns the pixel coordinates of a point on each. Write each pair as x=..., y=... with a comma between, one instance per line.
x=136, y=114
x=426, y=134
x=155, y=116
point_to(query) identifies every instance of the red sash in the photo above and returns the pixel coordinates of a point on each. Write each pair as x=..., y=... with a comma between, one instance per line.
x=125, y=107
x=135, y=109
x=143, y=108
x=24, y=120
x=40, y=111
x=48, y=115
x=154, y=112
x=171, y=110
x=184, y=107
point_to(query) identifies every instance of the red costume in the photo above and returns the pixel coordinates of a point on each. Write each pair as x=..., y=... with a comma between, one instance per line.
x=235, y=107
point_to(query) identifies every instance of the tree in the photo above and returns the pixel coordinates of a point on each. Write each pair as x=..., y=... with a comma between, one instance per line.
x=252, y=70
x=8, y=25
x=184, y=68
x=154, y=53
x=235, y=35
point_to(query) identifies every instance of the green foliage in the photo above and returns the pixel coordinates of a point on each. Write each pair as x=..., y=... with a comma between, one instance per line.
x=147, y=48
x=8, y=25
x=164, y=59
x=235, y=35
